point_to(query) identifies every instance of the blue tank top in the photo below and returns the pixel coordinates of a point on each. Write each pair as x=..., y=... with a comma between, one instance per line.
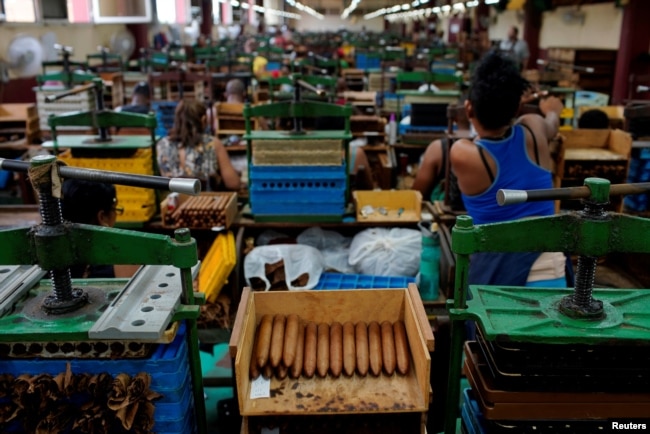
x=515, y=171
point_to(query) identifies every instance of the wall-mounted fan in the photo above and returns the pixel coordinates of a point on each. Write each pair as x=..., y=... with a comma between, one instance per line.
x=24, y=56
x=123, y=43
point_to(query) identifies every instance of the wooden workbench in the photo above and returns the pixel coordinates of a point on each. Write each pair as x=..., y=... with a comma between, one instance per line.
x=19, y=215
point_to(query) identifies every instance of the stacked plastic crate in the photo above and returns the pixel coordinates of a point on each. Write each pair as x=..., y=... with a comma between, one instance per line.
x=139, y=203
x=84, y=101
x=361, y=281
x=304, y=177
x=167, y=366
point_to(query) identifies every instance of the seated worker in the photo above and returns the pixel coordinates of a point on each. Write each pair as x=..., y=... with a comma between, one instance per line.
x=259, y=62
x=93, y=203
x=431, y=176
x=190, y=153
x=594, y=119
x=140, y=102
x=508, y=153
x=235, y=91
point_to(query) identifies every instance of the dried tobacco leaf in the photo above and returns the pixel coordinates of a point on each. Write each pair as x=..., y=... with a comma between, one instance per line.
x=119, y=392
x=139, y=389
x=65, y=381
x=7, y=412
x=272, y=268
x=97, y=421
x=57, y=420
x=100, y=387
x=215, y=315
x=126, y=414
x=144, y=420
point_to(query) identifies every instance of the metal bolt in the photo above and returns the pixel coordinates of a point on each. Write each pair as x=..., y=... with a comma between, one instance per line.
x=64, y=299
x=182, y=235
x=581, y=304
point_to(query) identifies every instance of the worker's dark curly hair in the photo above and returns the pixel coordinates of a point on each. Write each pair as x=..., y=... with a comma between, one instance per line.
x=82, y=200
x=496, y=90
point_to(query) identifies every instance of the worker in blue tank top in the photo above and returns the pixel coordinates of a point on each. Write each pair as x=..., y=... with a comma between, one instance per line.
x=508, y=153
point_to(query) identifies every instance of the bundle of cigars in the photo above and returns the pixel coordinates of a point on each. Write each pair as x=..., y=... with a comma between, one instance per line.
x=199, y=211
x=287, y=346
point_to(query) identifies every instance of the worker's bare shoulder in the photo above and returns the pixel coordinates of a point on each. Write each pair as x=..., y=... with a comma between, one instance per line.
x=462, y=152
x=434, y=149
x=533, y=121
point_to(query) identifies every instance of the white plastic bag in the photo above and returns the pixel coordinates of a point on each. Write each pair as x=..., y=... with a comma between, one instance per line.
x=386, y=252
x=297, y=260
x=334, y=247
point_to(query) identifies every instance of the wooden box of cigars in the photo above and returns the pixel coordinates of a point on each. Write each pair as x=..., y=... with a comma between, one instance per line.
x=337, y=360
x=204, y=211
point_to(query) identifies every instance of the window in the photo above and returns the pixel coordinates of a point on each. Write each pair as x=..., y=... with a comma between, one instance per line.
x=173, y=11
x=121, y=11
x=19, y=11
x=54, y=9
x=31, y=11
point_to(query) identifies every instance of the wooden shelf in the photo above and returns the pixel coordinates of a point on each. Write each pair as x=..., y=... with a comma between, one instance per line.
x=236, y=149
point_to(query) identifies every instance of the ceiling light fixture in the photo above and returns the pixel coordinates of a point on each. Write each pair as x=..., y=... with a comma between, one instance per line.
x=305, y=8
x=262, y=9
x=347, y=11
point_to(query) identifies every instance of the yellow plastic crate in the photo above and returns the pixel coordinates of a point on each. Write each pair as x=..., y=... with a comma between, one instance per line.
x=137, y=212
x=138, y=206
x=217, y=265
x=140, y=163
x=139, y=203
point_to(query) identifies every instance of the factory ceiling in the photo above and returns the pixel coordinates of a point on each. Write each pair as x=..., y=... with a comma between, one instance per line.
x=365, y=6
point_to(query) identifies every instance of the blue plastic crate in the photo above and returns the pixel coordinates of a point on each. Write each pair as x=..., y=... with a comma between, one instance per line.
x=361, y=281
x=5, y=176
x=590, y=99
x=297, y=195
x=297, y=190
x=473, y=411
x=168, y=367
x=184, y=425
x=261, y=208
x=273, y=66
x=164, y=107
x=405, y=129
x=300, y=184
x=467, y=420
x=298, y=174
x=644, y=153
x=365, y=61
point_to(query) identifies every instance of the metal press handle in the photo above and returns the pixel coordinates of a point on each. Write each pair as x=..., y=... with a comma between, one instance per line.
x=76, y=90
x=511, y=197
x=587, y=69
x=174, y=185
x=305, y=85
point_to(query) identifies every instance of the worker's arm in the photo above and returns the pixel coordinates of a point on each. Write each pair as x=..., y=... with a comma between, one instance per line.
x=551, y=108
x=228, y=173
x=428, y=169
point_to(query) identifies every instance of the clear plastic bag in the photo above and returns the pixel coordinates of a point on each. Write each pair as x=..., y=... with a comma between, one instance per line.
x=334, y=247
x=298, y=260
x=386, y=252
